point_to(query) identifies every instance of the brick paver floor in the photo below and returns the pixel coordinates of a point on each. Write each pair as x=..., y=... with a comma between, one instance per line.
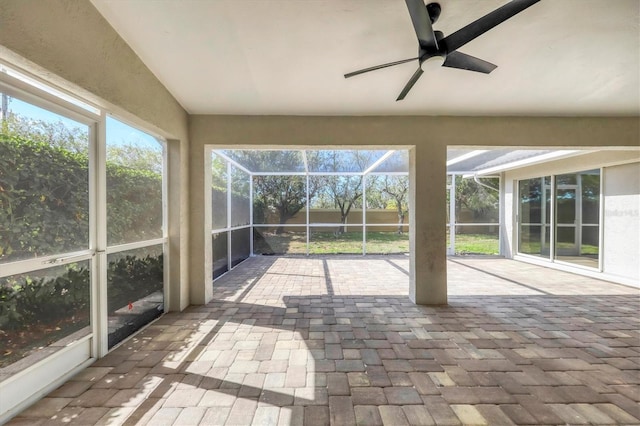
x=322, y=340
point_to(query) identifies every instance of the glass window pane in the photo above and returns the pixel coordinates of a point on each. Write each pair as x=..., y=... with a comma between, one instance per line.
x=477, y=239
x=531, y=194
x=135, y=290
x=566, y=240
x=44, y=309
x=590, y=187
x=219, y=190
x=44, y=183
x=534, y=240
x=589, y=248
x=566, y=216
x=279, y=199
x=240, y=245
x=220, y=254
x=134, y=184
x=240, y=203
x=335, y=240
x=568, y=179
x=276, y=240
x=534, y=209
x=566, y=206
x=387, y=240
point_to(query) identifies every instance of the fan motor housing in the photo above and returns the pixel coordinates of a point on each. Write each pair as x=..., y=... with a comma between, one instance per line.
x=434, y=9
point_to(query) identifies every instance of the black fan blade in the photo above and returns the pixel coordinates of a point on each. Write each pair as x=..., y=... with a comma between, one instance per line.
x=422, y=24
x=467, y=62
x=377, y=67
x=416, y=75
x=484, y=24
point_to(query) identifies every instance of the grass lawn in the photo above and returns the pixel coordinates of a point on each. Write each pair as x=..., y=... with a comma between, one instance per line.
x=533, y=247
x=477, y=244
x=351, y=242
x=326, y=242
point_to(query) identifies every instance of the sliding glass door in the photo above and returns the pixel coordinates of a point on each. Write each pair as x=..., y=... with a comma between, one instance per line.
x=578, y=218
x=534, y=213
x=565, y=226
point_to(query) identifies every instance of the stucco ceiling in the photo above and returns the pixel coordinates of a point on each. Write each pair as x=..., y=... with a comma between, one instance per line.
x=559, y=57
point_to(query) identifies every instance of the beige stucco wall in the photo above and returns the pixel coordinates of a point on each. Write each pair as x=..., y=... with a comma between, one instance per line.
x=428, y=137
x=69, y=44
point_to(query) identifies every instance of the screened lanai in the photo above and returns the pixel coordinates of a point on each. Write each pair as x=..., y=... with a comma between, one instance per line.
x=356, y=201
x=306, y=202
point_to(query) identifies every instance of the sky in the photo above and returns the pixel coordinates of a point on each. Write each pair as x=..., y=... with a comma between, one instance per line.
x=118, y=133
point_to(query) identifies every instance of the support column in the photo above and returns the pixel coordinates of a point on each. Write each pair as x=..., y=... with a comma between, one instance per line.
x=201, y=257
x=178, y=293
x=427, y=218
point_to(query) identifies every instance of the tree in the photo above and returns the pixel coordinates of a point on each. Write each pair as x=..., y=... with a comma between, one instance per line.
x=62, y=134
x=55, y=133
x=43, y=198
x=284, y=195
x=478, y=199
x=135, y=156
x=345, y=192
x=397, y=187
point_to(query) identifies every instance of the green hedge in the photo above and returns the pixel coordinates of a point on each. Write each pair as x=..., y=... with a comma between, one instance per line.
x=44, y=200
x=30, y=300
x=40, y=189
x=26, y=301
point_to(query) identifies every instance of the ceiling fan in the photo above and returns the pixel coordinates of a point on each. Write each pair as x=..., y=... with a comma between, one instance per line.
x=433, y=43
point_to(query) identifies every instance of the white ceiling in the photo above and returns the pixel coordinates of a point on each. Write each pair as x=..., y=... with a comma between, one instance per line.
x=559, y=57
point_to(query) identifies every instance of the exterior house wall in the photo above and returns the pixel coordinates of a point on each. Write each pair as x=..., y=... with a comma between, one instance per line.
x=620, y=196
x=622, y=221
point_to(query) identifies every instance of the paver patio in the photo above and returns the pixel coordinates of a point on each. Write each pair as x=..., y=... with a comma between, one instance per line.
x=335, y=340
